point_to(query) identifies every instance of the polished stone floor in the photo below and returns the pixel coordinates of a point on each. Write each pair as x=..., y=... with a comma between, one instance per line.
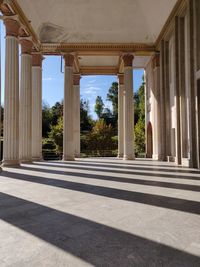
x=100, y=212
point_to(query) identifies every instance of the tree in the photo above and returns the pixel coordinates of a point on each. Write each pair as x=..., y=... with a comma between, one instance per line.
x=100, y=139
x=56, y=134
x=57, y=112
x=112, y=96
x=99, y=106
x=46, y=119
x=139, y=101
x=85, y=119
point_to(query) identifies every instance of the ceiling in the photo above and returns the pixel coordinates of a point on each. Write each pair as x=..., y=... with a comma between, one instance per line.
x=98, y=22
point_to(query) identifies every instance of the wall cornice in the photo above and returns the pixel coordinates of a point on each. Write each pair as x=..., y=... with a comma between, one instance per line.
x=177, y=10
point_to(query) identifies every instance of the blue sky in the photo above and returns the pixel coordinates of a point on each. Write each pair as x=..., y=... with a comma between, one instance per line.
x=53, y=81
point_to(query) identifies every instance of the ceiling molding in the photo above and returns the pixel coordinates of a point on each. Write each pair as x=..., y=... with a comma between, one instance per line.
x=96, y=49
x=177, y=10
x=99, y=70
x=23, y=19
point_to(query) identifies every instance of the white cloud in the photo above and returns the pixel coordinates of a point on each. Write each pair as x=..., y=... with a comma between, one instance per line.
x=90, y=90
x=47, y=79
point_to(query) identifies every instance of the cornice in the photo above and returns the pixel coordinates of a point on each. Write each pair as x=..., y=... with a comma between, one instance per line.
x=177, y=10
x=96, y=48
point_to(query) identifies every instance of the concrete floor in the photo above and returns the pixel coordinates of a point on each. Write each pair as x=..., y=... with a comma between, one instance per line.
x=100, y=212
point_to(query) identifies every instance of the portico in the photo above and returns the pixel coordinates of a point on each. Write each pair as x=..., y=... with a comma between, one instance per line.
x=119, y=211
x=164, y=48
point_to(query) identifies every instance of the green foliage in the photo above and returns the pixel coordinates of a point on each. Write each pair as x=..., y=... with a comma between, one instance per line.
x=139, y=101
x=86, y=122
x=99, y=106
x=112, y=96
x=139, y=137
x=46, y=119
x=49, y=149
x=57, y=112
x=56, y=133
x=100, y=139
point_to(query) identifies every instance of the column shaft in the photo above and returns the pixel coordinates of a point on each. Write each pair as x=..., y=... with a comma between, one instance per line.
x=68, y=129
x=25, y=109
x=177, y=93
x=37, y=107
x=11, y=96
x=121, y=116
x=156, y=109
x=128, y=108
x=76, y=117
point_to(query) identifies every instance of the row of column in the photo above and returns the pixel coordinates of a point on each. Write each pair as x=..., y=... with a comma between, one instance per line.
x=23, y=102
x=22, y=108
x=126, y=110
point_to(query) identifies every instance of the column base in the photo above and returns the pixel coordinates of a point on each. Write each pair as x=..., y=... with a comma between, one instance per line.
x=37, y=159
x=120, y=156
x=185, y=162
x=129, y=157
x=155, y=157
x=171, y=159
x=77, y=156
x=68, y=158
x=10, y=163
x=26, y=161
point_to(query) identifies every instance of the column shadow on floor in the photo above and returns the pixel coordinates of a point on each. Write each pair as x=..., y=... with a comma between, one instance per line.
x=94, y=243
x=137, y=179
x=138, y=197
x=120, y=166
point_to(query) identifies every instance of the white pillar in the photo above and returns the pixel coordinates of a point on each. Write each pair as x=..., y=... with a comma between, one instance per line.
x=121, y=116
x=128, y=108
x=76, y=117
x=11, y=95
x=25, y=108
x=68, y=131
x=156, y=109
x=37, y=106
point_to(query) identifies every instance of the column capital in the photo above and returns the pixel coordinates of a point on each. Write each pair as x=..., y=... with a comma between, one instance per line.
x=37, y=59
x=156, y=61
x=12, y=26
x=128, y=60
x=69, y=60
x=76, y=79
x=5, y=9
x=26, y=45
x=121, y=78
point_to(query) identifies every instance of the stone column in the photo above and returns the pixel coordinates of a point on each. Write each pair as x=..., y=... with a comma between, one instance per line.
x=25, y=108
x=128, y=108
x=163, y=103
x=37, y=106
x=121, y=116
x=156, y=109
x=177, y=93
x=76, y=117
x=68, y=114
x=11, y=95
